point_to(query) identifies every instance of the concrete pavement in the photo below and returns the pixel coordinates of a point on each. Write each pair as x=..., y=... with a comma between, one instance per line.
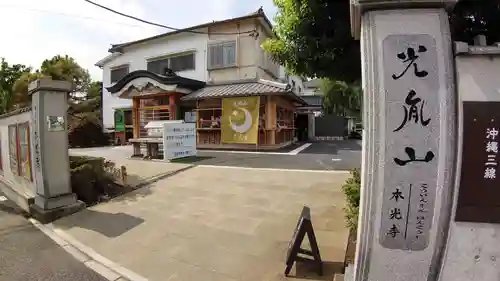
x=216, y=224
x=28, y=254
x=327, y=155
x=139, y=172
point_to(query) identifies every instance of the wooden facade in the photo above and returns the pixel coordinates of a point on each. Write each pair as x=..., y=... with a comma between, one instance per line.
x=166, y=97
x=276, y=123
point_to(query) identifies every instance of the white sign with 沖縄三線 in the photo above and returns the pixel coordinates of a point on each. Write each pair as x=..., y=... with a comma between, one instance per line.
x=179, y=140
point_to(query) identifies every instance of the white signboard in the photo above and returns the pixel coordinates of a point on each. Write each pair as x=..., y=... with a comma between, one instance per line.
x=179, y=140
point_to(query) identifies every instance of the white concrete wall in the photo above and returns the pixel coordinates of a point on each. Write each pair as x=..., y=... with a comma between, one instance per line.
x=252, y=61
x=16, y=188
x=136, y=57
x=247, y=51
x=289, y=79
x=473, y=250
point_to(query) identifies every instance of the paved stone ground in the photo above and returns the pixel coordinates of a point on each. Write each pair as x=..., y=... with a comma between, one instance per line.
x=27, y=254
x=138, y=171
x=331, y=155
x=219, y=224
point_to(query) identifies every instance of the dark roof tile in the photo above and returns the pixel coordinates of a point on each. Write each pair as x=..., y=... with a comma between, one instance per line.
x=243, y=89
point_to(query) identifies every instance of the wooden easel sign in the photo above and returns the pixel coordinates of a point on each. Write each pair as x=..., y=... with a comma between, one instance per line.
x=304, y=225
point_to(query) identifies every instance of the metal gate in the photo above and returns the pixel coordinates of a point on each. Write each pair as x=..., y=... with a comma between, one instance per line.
x=330, y=126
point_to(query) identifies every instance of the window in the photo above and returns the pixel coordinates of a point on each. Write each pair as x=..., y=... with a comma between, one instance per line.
x=222, y=55
x=180, y=63
x=118, y=73
x=175, y=63
x=19, y=150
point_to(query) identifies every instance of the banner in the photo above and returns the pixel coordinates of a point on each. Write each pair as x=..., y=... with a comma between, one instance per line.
x=240, y=120
x=119, y=120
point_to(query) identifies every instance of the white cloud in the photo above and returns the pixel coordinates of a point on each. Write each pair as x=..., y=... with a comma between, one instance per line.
x=37, y=30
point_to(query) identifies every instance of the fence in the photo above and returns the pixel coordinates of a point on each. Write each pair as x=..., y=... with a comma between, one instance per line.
x=330, y=126
x=16, y=173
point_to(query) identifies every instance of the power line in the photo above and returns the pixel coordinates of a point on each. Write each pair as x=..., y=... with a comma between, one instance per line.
x=70, y=15
x=166, y=26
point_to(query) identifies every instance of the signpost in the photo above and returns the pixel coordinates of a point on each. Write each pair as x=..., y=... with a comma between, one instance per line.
x=119, y=120
x=479, y=192
x=304, y=225
x=179, y=140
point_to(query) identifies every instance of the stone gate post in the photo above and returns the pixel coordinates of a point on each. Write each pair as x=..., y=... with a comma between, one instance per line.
x=49, y=150
x=409, y=138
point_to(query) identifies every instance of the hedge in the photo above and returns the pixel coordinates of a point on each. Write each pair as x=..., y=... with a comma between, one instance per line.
x=352, y=190
x=91, y=179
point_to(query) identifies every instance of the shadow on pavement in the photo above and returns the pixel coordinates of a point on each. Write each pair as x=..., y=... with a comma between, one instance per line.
x=111, y=225
x=136, y=181
x=8, y=207
x=189, y=160
x=306, y=271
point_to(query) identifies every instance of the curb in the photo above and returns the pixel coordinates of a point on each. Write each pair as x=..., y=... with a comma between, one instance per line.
x=159, y=177
x=86, y=255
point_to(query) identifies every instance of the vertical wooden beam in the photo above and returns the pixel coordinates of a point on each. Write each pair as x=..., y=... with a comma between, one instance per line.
x=197, y=118
x=135, y=117
x=271, y=119
x=172, y=102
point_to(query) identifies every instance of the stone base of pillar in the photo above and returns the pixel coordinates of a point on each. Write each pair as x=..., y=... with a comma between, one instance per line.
x=49, y=215
x=55, y=202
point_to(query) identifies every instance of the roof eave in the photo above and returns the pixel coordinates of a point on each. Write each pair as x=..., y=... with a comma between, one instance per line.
x=178, y=80
x=107, y=59
x=120, y=47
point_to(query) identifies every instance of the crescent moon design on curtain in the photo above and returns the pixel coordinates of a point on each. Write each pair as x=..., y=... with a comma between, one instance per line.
x=243, y=128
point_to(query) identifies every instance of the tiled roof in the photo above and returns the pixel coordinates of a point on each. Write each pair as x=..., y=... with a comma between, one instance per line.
x=15, y=112
x=243, y=89
x=313, y=100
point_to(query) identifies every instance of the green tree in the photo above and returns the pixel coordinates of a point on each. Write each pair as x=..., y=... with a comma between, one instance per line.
x=67, y=69
x=20, y=88
x=94, y=90
x=472, y=17
x=314, y=39
x=58, y=68
x=341, y=98
x=9, y=74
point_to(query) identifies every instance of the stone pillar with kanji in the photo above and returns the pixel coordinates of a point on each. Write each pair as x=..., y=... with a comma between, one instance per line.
x=409, y=138
x=49, y=150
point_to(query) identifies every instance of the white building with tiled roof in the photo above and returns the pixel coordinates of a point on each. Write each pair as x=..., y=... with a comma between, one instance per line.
x=215, y=52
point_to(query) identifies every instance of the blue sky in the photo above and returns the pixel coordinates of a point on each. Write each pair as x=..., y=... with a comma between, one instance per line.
x=34, y=30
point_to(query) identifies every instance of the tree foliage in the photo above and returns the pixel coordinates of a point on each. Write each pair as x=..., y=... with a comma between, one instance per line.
x=67, y=69
x=20, y=88
x=84, y=104
x=9, y=74
x=470, y=18
x=340, y=98
x=314, y=38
